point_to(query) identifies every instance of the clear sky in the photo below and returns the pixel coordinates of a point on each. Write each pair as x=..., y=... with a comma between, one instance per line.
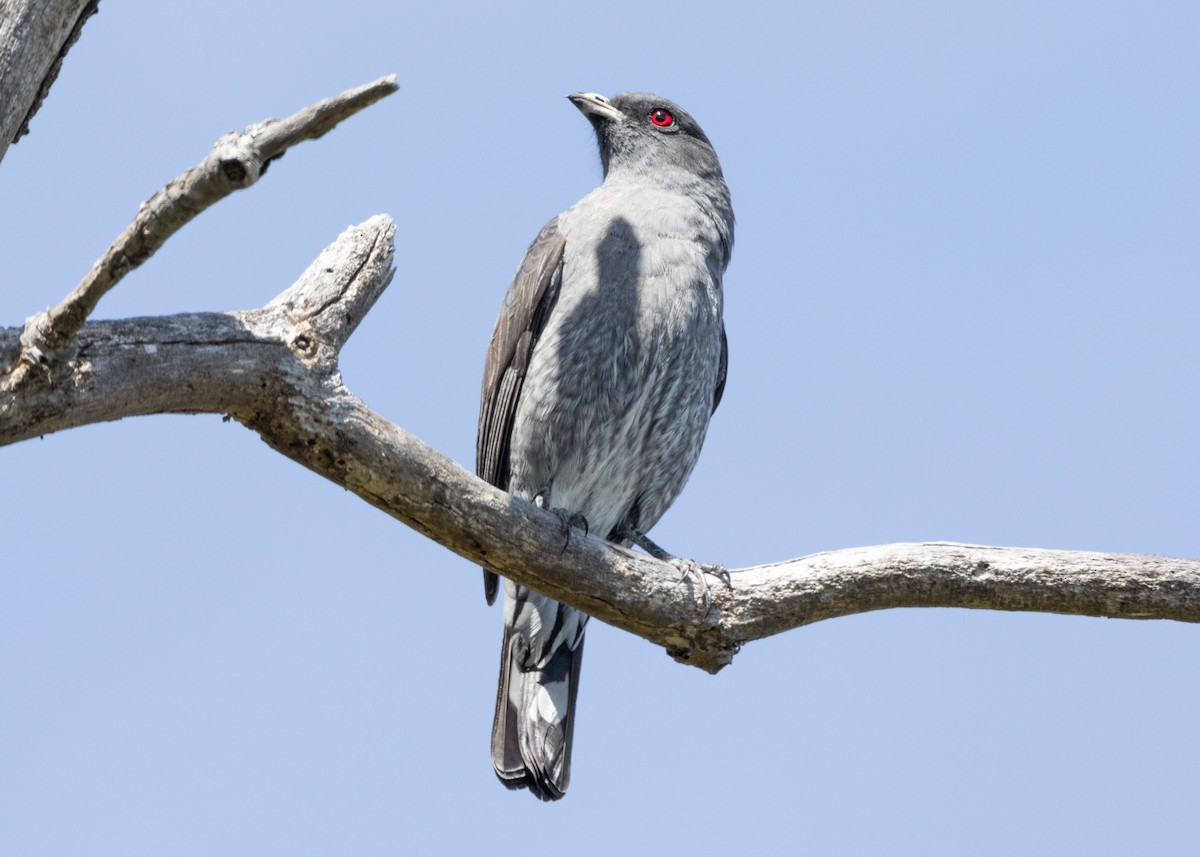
x=962, y=306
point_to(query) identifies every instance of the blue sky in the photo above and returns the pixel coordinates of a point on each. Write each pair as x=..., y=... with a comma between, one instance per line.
x=962, y=306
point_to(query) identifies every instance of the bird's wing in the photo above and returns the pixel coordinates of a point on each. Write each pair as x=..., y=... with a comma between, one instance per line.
x=720, y=391
x=526, y=306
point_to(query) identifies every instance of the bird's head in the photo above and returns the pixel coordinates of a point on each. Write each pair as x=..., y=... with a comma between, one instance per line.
x=643, y=135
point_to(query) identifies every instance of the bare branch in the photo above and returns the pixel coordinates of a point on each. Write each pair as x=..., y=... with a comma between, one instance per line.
x=236, y=161
x=35, y=36
x=275, y=370
x=205, y=362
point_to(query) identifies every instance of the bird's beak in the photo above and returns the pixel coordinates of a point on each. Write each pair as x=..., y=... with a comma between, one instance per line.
x=596, y=107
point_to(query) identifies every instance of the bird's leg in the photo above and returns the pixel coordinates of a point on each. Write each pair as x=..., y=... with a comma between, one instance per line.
x=569, y=519
x=687, y=567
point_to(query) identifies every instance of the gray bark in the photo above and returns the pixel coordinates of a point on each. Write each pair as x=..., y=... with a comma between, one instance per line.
x=35, y=35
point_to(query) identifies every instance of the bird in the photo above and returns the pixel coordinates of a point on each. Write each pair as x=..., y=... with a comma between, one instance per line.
x=606, y=364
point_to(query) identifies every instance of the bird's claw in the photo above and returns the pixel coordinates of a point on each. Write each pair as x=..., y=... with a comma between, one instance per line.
x=691, y=568
x=569, y=519
x=687, y=567
x=721, y=573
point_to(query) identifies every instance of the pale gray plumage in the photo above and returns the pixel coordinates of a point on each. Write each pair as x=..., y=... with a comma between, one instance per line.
x=607, y=361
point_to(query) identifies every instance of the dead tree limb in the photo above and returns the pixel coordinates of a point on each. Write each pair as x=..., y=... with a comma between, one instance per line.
x=236, y=161
x=275, y=370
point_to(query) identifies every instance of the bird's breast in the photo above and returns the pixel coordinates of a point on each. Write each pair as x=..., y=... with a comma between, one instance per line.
x=620, y=385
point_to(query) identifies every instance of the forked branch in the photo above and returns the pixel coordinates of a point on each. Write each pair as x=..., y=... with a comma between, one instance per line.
x=236, y=161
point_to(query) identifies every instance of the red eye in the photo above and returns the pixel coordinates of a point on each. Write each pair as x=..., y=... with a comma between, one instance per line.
x=662, y=118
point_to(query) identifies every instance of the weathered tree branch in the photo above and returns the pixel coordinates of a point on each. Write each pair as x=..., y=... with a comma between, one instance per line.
x=236, y=161
x=275, y=370
x=35, y=36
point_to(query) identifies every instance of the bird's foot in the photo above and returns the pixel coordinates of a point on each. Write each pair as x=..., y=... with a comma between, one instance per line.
x=569, y=519
x=687, y=567
x=701, y=572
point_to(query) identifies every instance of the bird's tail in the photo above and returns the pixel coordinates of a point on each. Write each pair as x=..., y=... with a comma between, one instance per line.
x=535, y=702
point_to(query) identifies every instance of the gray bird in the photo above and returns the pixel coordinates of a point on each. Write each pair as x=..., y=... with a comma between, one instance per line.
x=607, y=361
